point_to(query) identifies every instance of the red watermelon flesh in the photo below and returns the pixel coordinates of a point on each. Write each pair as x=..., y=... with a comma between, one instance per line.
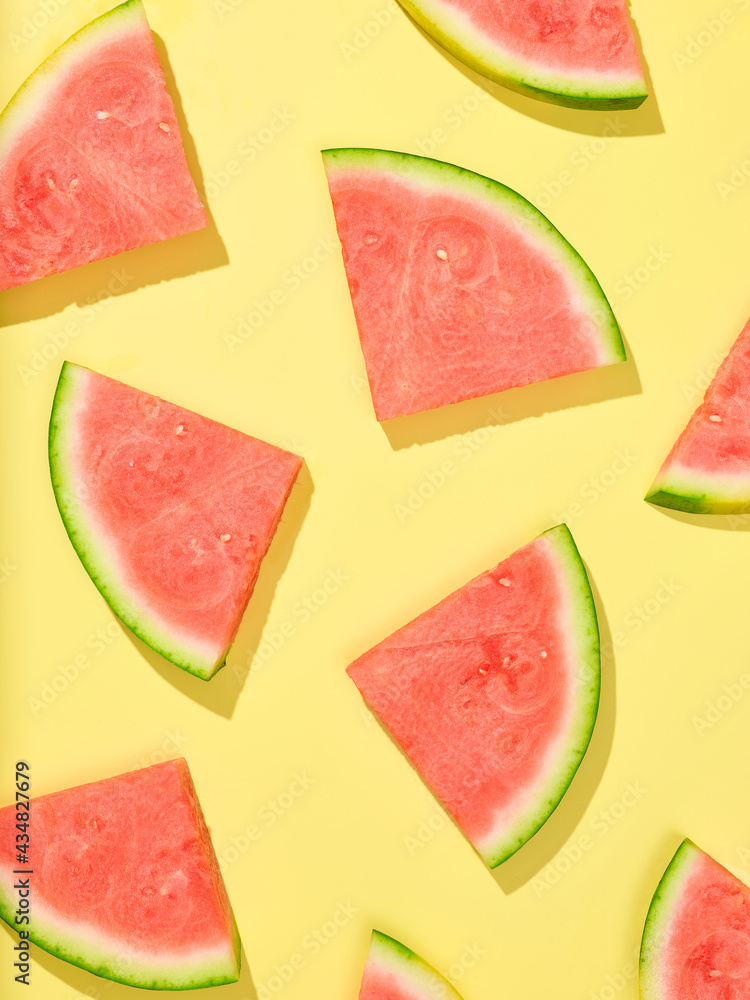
x=460, y=287
x=91, y=156
x=708, y=469
x=493, y=693
x=565, y=34
x=576, y=53
x=125, y=881
x=171, y=513
x=696, y=943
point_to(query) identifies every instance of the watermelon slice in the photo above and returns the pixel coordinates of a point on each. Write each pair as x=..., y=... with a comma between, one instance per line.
x=696, y=942
x=394, y=972
x=493, y=693
x=125, y=881
x=91, y=157
x=571, y=52
x=708, y=470
x=460, y=287
x=170, y=513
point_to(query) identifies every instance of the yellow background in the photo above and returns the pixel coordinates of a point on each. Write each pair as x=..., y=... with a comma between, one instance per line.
x=563, y=918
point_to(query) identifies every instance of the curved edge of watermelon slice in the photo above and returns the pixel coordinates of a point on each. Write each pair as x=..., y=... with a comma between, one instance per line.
x=698, y=491
x=93, y=555
x=580, y=622
x=491, y=61
x=389, y=959
x=535, y=225
x=660, y=913
x=210, y=969
x=32, y=91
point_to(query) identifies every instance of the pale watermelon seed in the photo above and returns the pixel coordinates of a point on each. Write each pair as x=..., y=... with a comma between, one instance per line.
x=715, y=418
x=164, y=127
x=442, y=254
x=226, y=537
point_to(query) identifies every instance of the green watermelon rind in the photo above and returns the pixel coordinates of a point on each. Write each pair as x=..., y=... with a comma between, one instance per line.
x=477, y=52
x=100, y=962
x=91, y=552
x=30, y=95
x=660, y=913
x=411, y=969
x=695, y=494
x=584, y=631
x=531, y=221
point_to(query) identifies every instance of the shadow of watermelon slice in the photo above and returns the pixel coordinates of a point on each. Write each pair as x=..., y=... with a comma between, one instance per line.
x=524, y=403
x=221, y=695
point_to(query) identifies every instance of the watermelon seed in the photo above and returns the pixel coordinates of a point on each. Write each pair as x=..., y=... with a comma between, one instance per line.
x=103, y=114
x=715, y=972
x=504, y=581
x=370, y=239
x=442, y=254
x=543, y=654
x=50, y=183
x=226, y=537
x=715, y=418
x=180, y=429
x=164, y=127
x=73, y=183
x=482, y=671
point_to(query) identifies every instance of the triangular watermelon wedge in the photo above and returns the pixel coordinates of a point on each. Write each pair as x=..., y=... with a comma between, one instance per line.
x=91, y=157
x=569, y=52
x=696, y=942
x=170, y=513
x=460, y=287
x=394, y=972
x=124, y=881
x=708, y=469
x=493, y=693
